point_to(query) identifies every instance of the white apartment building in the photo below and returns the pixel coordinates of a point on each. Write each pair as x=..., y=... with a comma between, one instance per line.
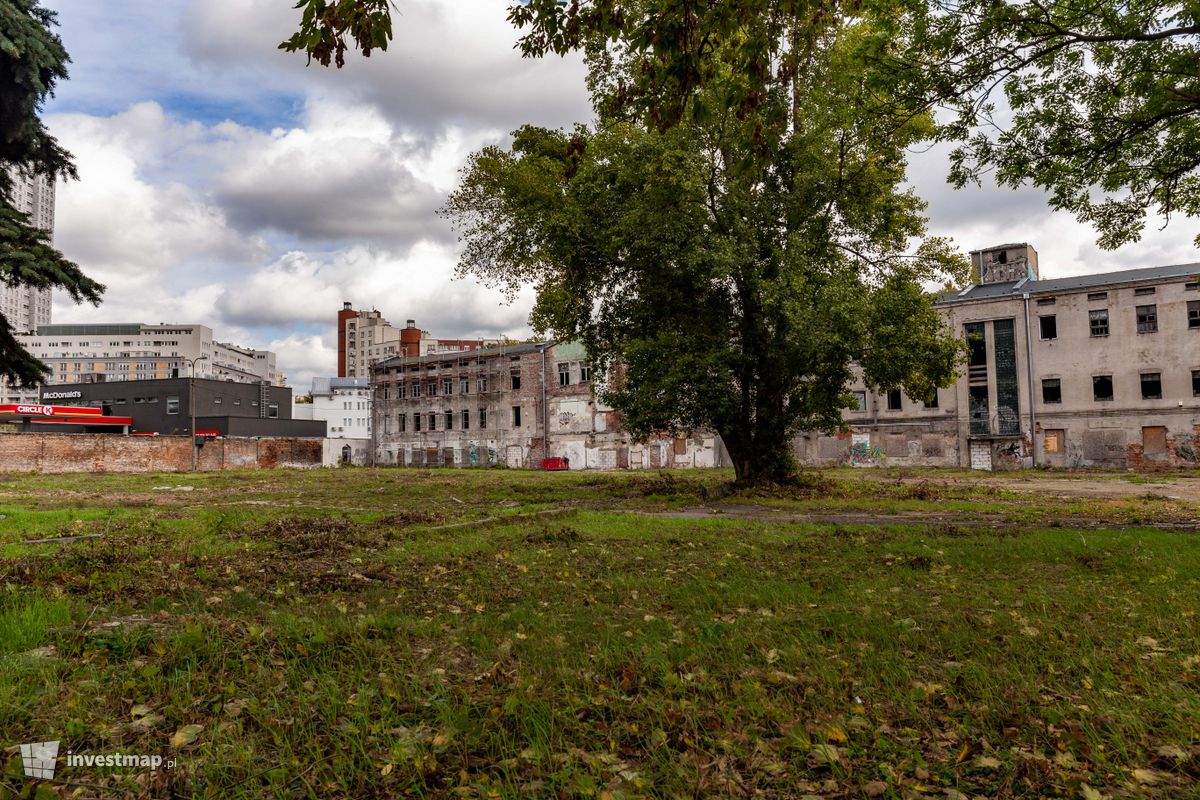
x=25, y=307
x=343, y=403
x=121, y=352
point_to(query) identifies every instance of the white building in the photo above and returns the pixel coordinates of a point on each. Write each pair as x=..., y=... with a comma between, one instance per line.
x=343, y=403
x=25, y=307
x=120, y=352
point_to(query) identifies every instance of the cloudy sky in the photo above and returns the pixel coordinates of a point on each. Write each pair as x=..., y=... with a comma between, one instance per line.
x=227, y=183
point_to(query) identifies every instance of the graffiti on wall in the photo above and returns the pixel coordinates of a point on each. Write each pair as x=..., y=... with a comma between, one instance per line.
x=862, y=453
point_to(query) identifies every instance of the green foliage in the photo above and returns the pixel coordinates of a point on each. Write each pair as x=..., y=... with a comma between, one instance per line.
x=729, y=269
x=32, y=59
x=1101, y=102
x=326, y=24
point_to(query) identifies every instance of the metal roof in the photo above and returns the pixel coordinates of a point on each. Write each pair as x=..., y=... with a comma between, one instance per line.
x=1098, y=280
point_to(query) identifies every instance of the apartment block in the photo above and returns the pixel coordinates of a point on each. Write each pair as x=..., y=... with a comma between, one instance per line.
x=525, y=405
x=1098, y=370
x=25, y=307
x=365, y=338
x=120, y=352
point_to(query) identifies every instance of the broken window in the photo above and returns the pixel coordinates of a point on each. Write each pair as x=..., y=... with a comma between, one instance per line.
x=433, y=420
x=416, y=422
x=564, y=374
x=515, y=378
x=979, y=410
x=1151, y=386
x=516, y=416
x=1048, y=327
x=1147, y=319
x=1098, y=320
x=466, y=420
x=449, y=420
x=1051, y=390
x=1145, y=290
x=976, y=347
x=1102, y=387
x=1193, y=307
x=483, y=418
x=893, y=400
x=1098, y=296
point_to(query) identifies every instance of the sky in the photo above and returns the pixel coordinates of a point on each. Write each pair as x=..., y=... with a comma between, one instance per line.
x=227, y=183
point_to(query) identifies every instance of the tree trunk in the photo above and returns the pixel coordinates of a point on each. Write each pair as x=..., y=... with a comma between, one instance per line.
x=758, y=464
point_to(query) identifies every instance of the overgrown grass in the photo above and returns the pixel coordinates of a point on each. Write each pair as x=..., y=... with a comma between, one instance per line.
x=380, y=633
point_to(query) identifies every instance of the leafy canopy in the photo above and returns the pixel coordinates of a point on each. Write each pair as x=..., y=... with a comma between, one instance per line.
x=1097, y=102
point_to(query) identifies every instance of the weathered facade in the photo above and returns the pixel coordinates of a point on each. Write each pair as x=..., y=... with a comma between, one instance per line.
x=1090, y=371
x=517, y=406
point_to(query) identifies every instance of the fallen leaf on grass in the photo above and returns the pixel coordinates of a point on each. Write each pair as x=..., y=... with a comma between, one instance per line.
x=186, y=735
x=825, y=754
x=986, y=762
x=1147, y=777
x=1173, y=752
x=875, y=788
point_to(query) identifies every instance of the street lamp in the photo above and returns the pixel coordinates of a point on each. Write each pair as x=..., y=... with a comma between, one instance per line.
x=192, y=402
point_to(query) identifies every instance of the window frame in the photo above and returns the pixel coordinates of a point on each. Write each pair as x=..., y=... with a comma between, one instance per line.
x=1056, y=384
x=1156, y=377
x=1043, y=320
x=1146, y=318
x=1112, y=389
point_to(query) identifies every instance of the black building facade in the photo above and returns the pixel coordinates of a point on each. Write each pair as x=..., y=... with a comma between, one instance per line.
x=165, y=406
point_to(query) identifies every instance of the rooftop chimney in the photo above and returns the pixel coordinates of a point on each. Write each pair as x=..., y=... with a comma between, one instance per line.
x=347, y=306
x=412, y=323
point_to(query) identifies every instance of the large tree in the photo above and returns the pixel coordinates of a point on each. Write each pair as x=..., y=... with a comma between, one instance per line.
x=733, y=261
x=32, y=60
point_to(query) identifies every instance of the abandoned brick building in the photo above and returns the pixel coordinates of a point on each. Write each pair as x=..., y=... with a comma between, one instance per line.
x=1089, y=371
x=516, y=405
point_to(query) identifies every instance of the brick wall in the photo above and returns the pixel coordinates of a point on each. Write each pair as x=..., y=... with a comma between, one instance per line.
x=74, y=452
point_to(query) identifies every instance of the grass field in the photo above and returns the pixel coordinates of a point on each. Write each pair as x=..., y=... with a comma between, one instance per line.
x=385, y=633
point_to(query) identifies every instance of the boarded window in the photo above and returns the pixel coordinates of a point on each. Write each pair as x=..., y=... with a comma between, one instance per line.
x=1102, y=387
x=680, y=446
x=1154, y=441
x=1053, y=441
x=1048, y=327
x=1151, y=386
x=1098, y=320
x=1051, y=390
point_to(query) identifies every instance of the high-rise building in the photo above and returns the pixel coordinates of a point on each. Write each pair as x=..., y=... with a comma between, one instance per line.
x=365, y=338
x=25, y=307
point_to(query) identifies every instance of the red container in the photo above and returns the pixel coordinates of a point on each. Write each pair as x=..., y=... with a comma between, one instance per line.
x=554, y=464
